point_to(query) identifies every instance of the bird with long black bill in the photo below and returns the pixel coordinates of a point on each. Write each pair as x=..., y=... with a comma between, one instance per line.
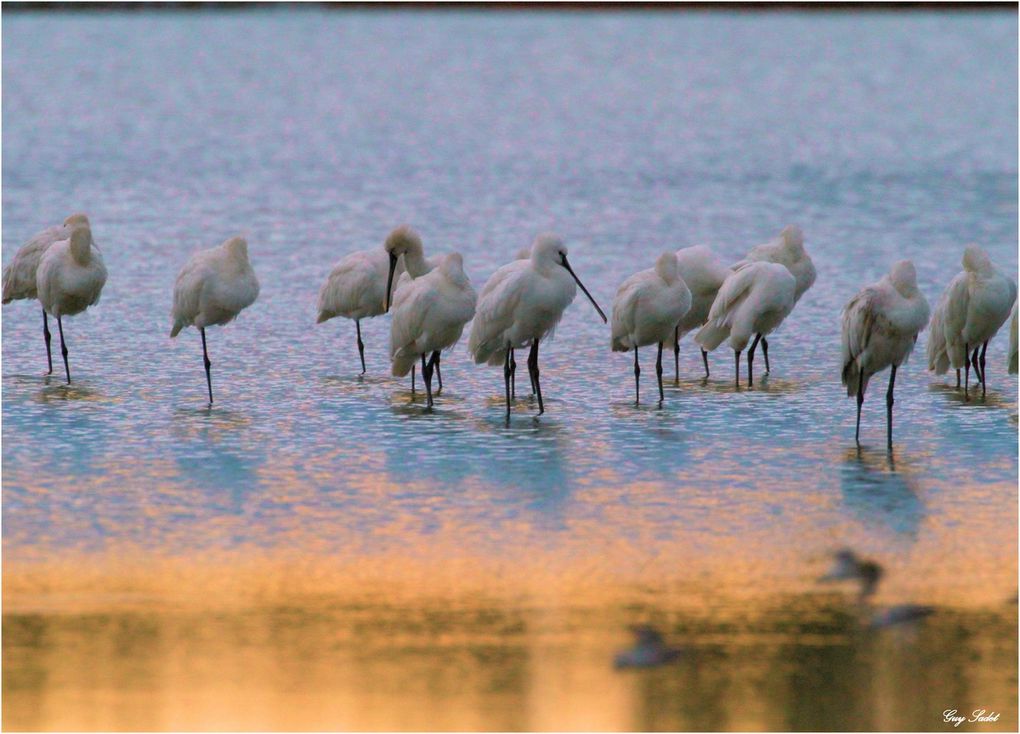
x=519, y=305
x=880, y=327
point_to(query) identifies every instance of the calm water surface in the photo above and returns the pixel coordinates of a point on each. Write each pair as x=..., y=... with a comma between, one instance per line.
x=316, y=552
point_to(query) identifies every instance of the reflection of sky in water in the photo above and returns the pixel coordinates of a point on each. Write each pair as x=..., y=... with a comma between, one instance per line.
x=316, y=132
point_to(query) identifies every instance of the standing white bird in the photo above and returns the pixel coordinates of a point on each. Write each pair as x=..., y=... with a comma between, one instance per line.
x=972, y=308
x=787, y=249
x=429, y=315
x=880, y=327
x=358, y=287
x=520, y=304
x=213, y=287
x=19, y=275
x=646, y=310
x=753, y=300
x=704, y=274
x=1011, y=358
x=69, y=279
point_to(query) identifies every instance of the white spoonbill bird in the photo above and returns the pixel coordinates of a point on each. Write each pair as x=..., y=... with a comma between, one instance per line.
x=646, y=310
x=429, y=314
x=521, y=303
x=704, y=274
x=213, y=287
x=972, y=308
x=787, y=249
x=753, y=301
x=357, y=286
x=1011, y=358
x=69, y=279
x=880, y=327
x=19, y=275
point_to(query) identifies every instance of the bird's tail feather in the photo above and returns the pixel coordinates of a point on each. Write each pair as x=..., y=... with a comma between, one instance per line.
x=711, y=335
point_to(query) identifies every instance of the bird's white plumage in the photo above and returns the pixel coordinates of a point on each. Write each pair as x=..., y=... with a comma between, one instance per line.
x=788, y=250
x=19, y=277
x=648, y=305
x=881, y=324
x=431, y=313
x=214, y=286
x=356, y=287
x=704, y=274
x=71, y=274
x=972, y=308
x=522, y=301
x=752, y=300
x=1011, y=357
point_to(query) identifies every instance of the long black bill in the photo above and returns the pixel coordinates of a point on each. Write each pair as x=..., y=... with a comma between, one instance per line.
x=581, y=285
x=389, y=281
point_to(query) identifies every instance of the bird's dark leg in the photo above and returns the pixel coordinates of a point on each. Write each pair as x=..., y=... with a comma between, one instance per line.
x=658, y=373
x=531, y=375
x=426, y=377
x=506, y=379
x=412, y=381
x=860, y=401
x=637, y=379
x=361, y=345
x=750, y=360
x=736, y=360
x=533, y=371
x=966, y=372
x=984, y=384
x=47, y=337
x=704, y=358
x=676, y=353
x=439, y=375
x=513, y=375
x=63, y=349
x=889, y=404
x=975, y=364
x=765, y=351
x=208, y=365
x=957, y=379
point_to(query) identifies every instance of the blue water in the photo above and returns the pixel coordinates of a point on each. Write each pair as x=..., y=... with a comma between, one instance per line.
x=313, y=133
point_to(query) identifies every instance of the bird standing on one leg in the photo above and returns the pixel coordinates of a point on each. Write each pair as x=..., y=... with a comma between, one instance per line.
x=213, y=287
x=19, y=277
x=972, y=308
x=646, y=310
x=787, y=250
x=753, y=301
x=69, y=279
x=520, y=304
x=880, y=327
x=429, y=315
x=704, y=274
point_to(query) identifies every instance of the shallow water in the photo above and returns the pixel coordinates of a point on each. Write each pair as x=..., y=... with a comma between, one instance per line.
x=317, y=543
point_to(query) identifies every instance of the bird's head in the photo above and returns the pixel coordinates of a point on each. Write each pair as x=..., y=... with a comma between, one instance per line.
x=237, y=247
x=401, y=241
x=903, y=276
x=793, y=239
x=976, y=260
x=550, y=252
x=667, y=267
x=77, y=219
